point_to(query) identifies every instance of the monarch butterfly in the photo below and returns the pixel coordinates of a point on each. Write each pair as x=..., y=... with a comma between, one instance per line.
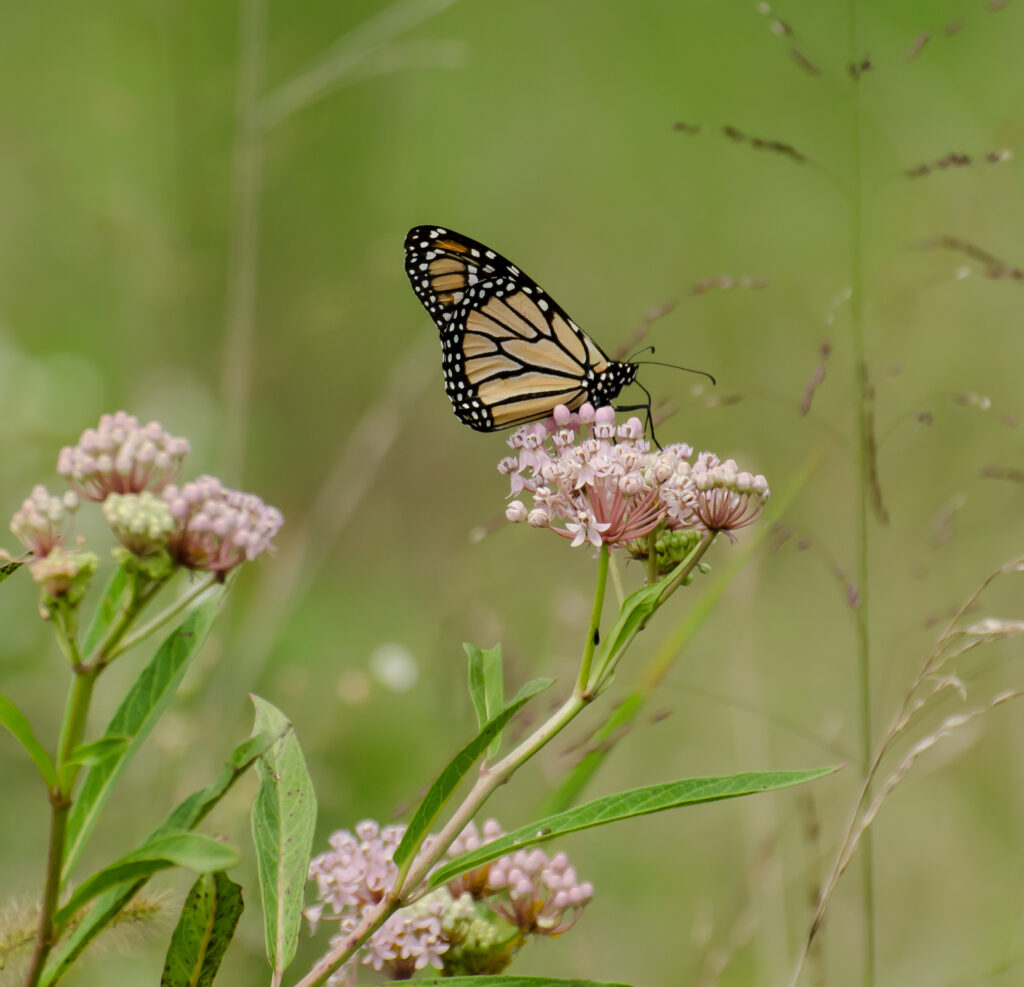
x=510, y=352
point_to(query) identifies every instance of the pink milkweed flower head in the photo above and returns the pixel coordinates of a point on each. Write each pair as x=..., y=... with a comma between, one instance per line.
x=717, y=496
x=121, y=456
x=458, y=923
x=41, y=521
x=592, y=481
x=217, y=528
x=536, y=894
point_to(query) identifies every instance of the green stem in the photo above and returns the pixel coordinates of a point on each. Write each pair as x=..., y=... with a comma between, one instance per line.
x=161, y=619
x=72, y=730
x=594, y=631
x=652, y=558
x=613, y=570
x=863, y=465
x=139, y=594
x=46, y=934
x=604, y=674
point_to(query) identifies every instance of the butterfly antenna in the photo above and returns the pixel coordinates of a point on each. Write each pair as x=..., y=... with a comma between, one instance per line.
x=632, y=359
x=675, y=366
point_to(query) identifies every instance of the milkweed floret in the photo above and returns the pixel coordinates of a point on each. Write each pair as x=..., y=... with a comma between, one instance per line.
x=217, y=528
x=121, y=456
x=42, y=519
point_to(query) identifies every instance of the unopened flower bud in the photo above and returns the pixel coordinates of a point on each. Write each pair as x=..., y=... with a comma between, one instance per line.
x=141, y=522
x=64, y=574
x=516, y=512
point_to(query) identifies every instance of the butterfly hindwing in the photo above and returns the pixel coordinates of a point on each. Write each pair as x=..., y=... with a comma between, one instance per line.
x=510, y=352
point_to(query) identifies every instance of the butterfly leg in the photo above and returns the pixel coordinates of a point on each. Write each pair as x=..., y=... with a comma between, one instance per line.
x=648, y=418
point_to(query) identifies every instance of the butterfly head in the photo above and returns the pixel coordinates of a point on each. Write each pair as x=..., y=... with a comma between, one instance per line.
x=606, y=384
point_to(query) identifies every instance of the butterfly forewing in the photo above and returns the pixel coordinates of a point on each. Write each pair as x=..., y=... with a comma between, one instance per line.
x=511, y=353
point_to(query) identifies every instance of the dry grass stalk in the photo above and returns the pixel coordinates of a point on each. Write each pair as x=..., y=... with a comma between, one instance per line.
x=817, y=380
x=763, y=144
x=649, y=318
x=954, y=642
x=957, y=160
x=992, y=266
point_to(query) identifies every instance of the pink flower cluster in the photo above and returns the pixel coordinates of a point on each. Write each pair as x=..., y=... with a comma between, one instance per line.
x=129, y=467
x=536, y=895
x=42, y=520
x=121, y=456
x=599, y=483
x=217, y=528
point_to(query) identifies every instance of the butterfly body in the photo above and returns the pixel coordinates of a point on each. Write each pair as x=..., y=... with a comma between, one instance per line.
x=510, y=352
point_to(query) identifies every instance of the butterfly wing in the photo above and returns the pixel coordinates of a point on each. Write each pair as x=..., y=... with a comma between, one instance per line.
x=511, y=353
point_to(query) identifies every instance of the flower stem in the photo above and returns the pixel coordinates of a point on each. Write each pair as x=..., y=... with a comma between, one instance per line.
x=163, y=618
x=652, y=557
x=72, y=730
x=594, y=631
x=604, y=674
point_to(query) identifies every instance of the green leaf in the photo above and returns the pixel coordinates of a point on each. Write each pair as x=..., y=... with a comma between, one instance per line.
x=206, y=927
x=486, y=687
x=625, y=805
x=202, y=854
x=635, y=610
x=506, y=981
x=98, y=751
x=9, y=569
x=139, y=710
x=283, y=820
x=456, y=769
x=188, y=814
x=20, y=729
x=477, y=691
x=107, y=609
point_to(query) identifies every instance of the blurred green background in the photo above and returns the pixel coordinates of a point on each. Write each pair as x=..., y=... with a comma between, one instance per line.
x=238, y=275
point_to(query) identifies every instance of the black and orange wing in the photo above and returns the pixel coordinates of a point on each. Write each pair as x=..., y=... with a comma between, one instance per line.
x=511, y=353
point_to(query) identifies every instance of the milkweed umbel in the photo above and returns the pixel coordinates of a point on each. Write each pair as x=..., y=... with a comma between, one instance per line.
x=510, y=352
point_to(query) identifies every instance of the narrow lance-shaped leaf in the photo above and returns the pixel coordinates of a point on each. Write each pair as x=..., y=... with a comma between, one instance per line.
x=15, y=722
x=476, y=682
x=635, y=610
x=108, y=608
x=455, y=771
x=206, y=927
x=139, y=710
x=494, y=690
x=98, y=751
x=9, y=569
x=186, y=815
x=625, y=805
x=283, y=820
x=197, y=852
x=486, y=687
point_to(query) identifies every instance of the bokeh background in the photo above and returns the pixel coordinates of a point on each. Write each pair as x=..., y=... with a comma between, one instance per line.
x=202, y=209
